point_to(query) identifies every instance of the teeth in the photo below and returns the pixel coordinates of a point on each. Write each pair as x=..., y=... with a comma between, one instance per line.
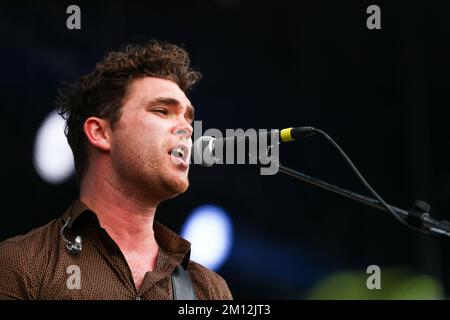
x=179, y=152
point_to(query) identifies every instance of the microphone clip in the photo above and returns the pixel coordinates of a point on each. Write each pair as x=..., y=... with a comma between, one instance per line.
x=75, y=247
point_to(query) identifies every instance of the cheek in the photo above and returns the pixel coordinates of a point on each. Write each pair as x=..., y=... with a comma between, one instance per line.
x=145, y=136
x=153, y=137
x=156, y=129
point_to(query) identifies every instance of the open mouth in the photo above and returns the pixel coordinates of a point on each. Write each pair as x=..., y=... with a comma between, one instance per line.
x=180, y=155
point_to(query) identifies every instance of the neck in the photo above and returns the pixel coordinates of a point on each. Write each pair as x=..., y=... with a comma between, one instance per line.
x=127, y=219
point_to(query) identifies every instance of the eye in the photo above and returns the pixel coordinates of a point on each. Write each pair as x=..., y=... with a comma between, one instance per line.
x=161, y=110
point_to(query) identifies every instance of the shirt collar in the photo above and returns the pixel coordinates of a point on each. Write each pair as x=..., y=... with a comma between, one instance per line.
x=169, y=241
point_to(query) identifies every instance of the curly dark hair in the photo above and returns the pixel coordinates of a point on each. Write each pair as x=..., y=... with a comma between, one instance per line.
x=101, y=92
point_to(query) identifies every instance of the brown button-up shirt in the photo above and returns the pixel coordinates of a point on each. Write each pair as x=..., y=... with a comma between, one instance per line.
x=38, y=266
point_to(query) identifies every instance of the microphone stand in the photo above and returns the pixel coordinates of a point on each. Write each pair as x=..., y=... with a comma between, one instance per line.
x=418, y=217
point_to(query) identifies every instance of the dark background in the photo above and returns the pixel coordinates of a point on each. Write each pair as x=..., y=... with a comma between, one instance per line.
x=382, y=94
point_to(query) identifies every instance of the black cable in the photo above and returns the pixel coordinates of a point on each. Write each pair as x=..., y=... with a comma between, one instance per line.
x=367, y=185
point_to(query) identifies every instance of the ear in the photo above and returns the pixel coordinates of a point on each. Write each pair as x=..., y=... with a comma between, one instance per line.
x=97, y=131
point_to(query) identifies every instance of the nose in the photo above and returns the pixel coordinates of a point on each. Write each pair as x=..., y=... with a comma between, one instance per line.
x=184, y=130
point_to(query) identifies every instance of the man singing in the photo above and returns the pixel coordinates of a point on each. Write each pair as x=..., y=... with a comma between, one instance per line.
x=129, y=125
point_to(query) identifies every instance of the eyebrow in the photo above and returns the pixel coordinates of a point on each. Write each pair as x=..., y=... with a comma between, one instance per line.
x=171, y=102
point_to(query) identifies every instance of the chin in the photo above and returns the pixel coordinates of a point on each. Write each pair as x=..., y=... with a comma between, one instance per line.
x=183, y=186
x=174, y=187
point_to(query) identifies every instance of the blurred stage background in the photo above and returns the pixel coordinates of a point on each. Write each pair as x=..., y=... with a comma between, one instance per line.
x=381, y=94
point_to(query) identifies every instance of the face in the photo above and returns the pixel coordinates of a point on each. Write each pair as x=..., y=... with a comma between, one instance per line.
x=151, y=142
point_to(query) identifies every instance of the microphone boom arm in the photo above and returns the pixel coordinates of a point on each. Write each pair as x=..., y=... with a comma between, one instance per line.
x=418, y=216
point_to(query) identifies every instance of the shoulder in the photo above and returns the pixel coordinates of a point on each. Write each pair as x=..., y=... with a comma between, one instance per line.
x=33, y=243
x=208, y=284
x=21, y=258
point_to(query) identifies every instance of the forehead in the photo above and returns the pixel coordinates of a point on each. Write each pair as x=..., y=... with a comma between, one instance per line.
x=148, y=88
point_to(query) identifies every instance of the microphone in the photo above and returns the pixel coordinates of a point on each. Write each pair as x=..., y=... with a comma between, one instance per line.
x=296, y=133
x=208, y=150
